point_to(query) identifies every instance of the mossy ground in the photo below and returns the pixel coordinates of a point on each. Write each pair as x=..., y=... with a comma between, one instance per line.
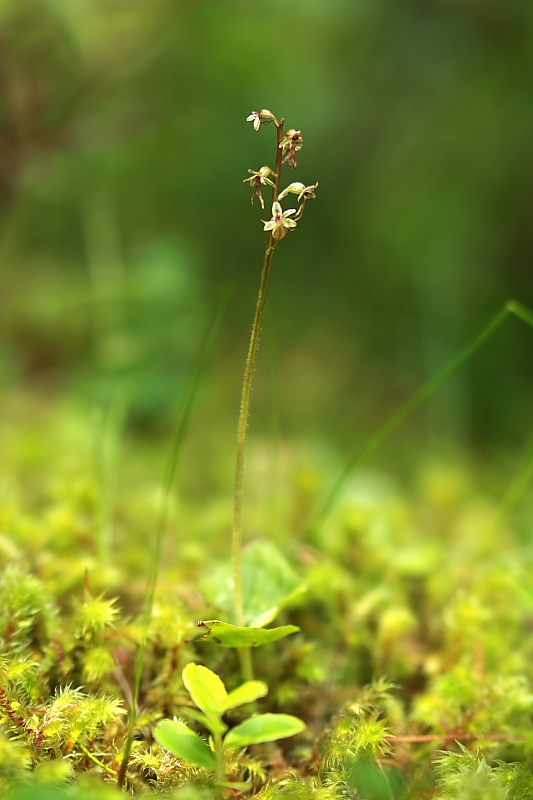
x=413, y=665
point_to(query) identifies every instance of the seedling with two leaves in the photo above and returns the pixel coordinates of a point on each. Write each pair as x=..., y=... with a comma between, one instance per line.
x=209, y=694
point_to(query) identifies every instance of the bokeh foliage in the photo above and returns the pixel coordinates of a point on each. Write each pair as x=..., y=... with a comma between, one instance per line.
x=124, y=216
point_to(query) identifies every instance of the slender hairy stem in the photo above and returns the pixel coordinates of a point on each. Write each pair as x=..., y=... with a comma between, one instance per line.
x=242, y=428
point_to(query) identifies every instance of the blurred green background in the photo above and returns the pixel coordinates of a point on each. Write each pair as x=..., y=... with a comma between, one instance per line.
x=124, y=216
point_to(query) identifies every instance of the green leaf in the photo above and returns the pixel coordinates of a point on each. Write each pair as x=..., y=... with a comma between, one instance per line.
x=206, y=689
x=184, y=743
x=247, y=693
x=215, y=724
x=263, y=728
x=232, y=636
x=269, y=583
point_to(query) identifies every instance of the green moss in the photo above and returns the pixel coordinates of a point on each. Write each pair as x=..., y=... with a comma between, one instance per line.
x=390, y=590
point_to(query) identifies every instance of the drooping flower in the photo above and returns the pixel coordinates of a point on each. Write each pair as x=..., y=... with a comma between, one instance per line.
x=280, y=224
x=303, y=192
x=292, y=142
x=258, y=180
x=261, y=118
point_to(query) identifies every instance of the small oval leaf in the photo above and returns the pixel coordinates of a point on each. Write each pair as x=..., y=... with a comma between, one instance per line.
x=206, y=689
x=184, y=743
x=247, y=693
x=263, y=728
x=232, y=636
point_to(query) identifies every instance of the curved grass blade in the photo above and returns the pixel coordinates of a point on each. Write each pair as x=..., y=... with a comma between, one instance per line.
x=375, y=441
x=205, y=352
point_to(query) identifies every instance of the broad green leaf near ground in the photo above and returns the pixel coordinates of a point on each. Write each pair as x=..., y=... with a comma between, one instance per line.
x=233, y=636
x=184, y=743
x=263, y=728
x=269, y=584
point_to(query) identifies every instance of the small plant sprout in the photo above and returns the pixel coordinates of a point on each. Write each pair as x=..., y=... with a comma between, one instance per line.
x=280, y=224
x=209, y=695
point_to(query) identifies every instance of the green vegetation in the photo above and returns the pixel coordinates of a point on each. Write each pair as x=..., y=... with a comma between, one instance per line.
x=99, y=649
x=429, y=586
x=353, y=619
x=210, y=696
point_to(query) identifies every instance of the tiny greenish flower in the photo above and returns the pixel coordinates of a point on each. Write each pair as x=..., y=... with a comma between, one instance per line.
x=303, y=192
x=258, y=180
x=290, y=144
x=261, y=118
x=280, y=224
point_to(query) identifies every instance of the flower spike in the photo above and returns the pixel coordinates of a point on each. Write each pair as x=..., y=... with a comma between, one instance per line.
x=288, y=145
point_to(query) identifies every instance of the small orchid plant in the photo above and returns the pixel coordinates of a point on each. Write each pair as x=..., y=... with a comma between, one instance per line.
x=288, y=145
